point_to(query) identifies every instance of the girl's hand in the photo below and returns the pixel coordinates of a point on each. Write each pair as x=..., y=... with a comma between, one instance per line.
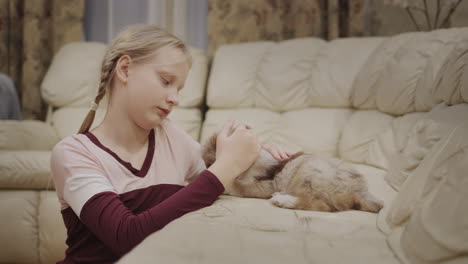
x=235, y=152
x=277, y=152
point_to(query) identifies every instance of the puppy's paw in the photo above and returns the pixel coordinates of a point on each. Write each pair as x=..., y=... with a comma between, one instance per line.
x=283, y=200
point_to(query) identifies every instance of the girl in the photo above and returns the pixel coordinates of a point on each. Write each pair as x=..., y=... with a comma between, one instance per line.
x=125, y=179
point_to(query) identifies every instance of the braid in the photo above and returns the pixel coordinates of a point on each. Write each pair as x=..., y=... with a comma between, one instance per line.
x=106, y=76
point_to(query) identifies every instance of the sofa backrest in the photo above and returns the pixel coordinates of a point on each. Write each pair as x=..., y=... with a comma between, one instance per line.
x=289, y=75
x=399, y=76
x=356, y=98
x=408, y=77
x=71, y=82
x=294, y=93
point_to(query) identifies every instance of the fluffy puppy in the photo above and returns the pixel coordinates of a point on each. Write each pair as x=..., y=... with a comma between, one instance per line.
x=303, y=181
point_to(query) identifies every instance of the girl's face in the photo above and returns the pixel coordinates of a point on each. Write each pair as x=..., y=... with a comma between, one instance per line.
x=153, y=86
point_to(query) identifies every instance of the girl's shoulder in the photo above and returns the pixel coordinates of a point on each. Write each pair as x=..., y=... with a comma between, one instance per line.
x=72, y=141
x=72, y=145
x=72, y=155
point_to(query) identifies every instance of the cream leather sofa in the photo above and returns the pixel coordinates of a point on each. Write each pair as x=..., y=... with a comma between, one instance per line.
x=396, y=107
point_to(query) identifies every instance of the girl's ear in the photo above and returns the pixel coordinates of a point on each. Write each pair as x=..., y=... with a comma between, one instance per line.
x=122, y=68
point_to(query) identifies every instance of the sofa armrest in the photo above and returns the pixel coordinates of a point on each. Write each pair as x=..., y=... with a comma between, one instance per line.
x=27, y=135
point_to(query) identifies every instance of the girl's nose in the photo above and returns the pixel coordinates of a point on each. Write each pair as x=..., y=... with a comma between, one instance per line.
x=173, y=99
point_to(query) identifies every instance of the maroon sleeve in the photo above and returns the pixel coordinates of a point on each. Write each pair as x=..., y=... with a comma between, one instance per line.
x=121, y=230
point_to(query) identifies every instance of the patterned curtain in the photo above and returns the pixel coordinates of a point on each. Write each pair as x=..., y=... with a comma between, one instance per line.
x=248, y=20
x=30, y=33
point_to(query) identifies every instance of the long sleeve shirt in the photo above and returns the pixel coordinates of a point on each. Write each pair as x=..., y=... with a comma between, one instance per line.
x=108, y=206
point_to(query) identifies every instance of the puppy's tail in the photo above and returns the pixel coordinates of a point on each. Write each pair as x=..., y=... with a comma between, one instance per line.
x=365, y=201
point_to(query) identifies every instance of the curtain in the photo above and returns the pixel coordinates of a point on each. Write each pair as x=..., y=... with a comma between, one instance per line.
x=247, y=20
x=30, y=33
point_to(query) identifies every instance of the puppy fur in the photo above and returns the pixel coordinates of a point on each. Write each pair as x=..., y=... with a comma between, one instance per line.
x=303, y=181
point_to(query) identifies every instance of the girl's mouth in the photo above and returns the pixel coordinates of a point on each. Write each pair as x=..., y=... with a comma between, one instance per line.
x=164, y=111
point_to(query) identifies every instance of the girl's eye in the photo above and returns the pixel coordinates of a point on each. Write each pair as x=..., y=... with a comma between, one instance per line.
x=165, y=82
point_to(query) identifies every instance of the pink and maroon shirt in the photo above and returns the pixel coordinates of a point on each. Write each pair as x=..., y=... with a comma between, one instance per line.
x=108, y=206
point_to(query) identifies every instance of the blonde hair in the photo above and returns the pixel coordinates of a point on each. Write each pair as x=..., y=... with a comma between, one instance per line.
x=139, y=42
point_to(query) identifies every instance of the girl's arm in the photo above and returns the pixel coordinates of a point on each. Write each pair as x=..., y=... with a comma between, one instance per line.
x=121, y=230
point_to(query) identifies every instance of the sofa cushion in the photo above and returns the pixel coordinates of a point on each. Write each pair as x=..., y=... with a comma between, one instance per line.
x=78, y=87
x=193, y=93
x=288, y=75
x=431, y=209
x=431, y=169
x=25, y=169
x=365, y=86
x=389, y=79
x=367, y=138
x=451, y=82
x=426, y=131
x=73, y=75
x=19, y=226
x=189, y=119
x=27, y=135
x=429, y=83
x=396, y=144
x=32, y=228
x=314, y=130
x=67, y=120
x=52, y=231
x=377, y=185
